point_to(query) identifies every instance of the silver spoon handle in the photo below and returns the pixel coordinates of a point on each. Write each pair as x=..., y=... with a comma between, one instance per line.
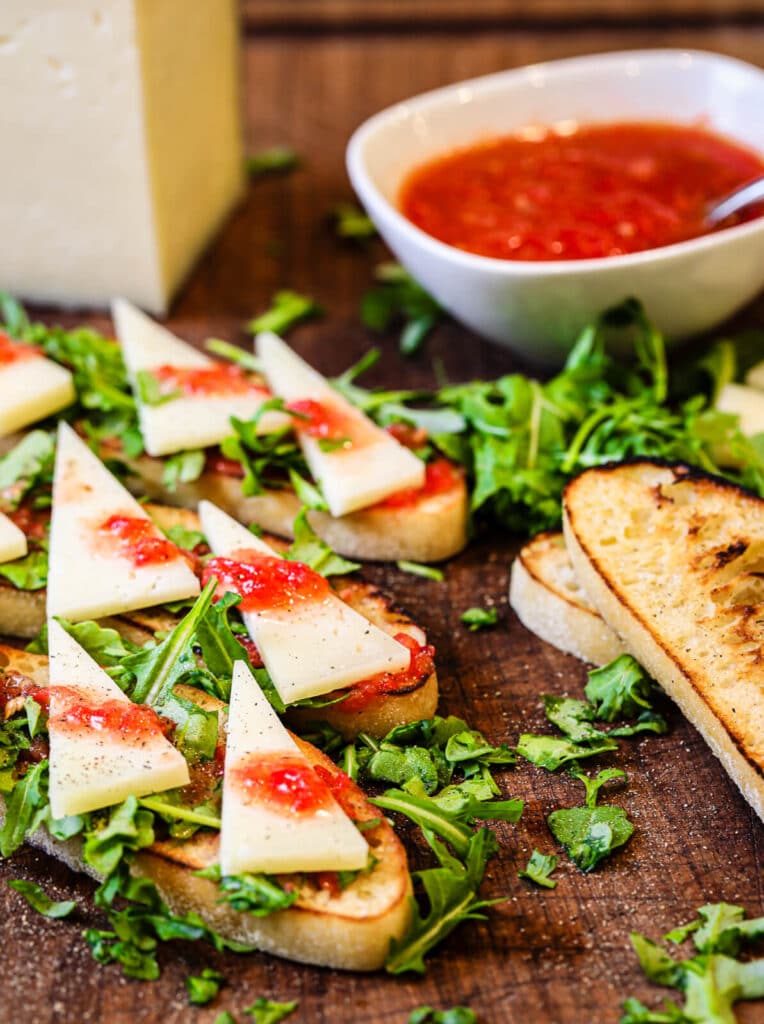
x=753, y=192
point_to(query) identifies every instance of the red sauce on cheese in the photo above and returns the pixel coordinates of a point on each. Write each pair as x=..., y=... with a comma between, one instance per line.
x=137, y=539
x=220, y=379
x=283, y=782
x=265, y=582
x=328, y=422
x=600, y=190
x=123, y=718
x=420, y=667
x=440, y=477
x=15, y=351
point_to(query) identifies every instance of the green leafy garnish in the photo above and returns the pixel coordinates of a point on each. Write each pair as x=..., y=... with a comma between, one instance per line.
x=150, y=389
x=28, y=798
x=591, y=833
x=39, y=900
x=265, y=1011
x=26, y=466
x=428, y=572
x=203, y=988
x=258, y=895
x=184, y=538
x=539, y=869
x=455, y=1015
x=308, y=493
x=183, y=468
x=552, y=752
x=246, y=360
x=29, y=572
x=274, y=160
x=480, y=618
x=287, y=309
x=399, y=295
x=309, y=548
x=621, y=689
x=352, y=222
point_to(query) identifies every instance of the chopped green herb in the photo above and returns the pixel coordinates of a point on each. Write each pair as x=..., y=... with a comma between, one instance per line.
x=183, y=468
x=573, y=717
x=429, y=572
x=29, y=572
x=621, y=689
x=591, y=833
x=309, y=494
x=27, y=466
x=264, y=1011
x=456, y=1015
x=39, y=900
x=274, y=160
x=203, y=988
x=309, y=548
x=552, y=752
x=184, y=538
x=234, y=354
x=480, y=618
x=539, y=869
x=352, y=222
x=150, y=390
x=224, y=1018
x=287, y=309
x=399, y=296
x=258, y=895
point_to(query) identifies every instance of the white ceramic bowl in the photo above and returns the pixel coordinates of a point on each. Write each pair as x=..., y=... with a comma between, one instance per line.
x=537, y=308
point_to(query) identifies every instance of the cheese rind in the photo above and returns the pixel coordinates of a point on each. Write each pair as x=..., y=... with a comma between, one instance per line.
x=87, y=580
x=254, y=837
x=32, y=389
x=121, y=149
x=350, y=478
x=91, y=768
x=312, y=649
x=13, y=543
x=188, y=421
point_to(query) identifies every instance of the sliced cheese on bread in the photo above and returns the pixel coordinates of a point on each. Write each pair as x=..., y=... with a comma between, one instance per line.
x=93, y=569
x=745, y=402
x=187, y=420
x=549, y=601
x=370, y=466
x=13, y=543
x=310, y=649
x=674, y=561
x=32, y=387
x=278, y=814
x=103, y=748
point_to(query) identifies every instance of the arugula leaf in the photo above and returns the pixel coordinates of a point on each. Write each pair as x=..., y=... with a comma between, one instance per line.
x=29, y=572
x=590, y=834
x=246, y=360
x=150, y=389
x=573, y=717
x=637, y=1013
x=429, y=572
x=220, y=648
x=265, y=1011
x=39, y=900
x=287, y=309
x=551, y=752
x=258, y=895
x=621, y=689
x=28, y=465
x=451, y=891
x=183, y=468
x=104, y=645
x=428, y=815
x=224, y=1018
x=308, y=493
x=28, y=797
x=648, y=721
x=480, y=618
x=122, y=829
x=539, y=868
x=203, y=988
x=196, y=729
x=399, y=295
x=274, y=160
x=593, y=786
x=183, y=538
x=184, y=821
x=352, y=222
x=309, y=548
x=455, y=1015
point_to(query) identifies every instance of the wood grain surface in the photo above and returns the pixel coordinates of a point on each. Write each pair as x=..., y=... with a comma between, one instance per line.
x=560, y=957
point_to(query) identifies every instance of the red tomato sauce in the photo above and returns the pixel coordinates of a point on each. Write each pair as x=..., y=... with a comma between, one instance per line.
x=265, y=582
x=15, y=351
x=219, y=379
x=33, y=522
x=123, y=718
x=440, y=477
x=601, y=190
x=136, y=539
x=420, y=667
x=328, y=422
x=284, y=782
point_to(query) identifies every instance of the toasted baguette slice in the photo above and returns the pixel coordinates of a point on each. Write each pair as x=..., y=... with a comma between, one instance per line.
x=22, y=614
x=673, y=559
x=430, y=529
x=350, y=930
x=549, y=601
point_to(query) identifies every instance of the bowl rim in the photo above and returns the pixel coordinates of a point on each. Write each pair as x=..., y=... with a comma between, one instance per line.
x=369, y=192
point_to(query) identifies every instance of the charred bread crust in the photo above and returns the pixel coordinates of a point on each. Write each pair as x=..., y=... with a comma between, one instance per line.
x=349, y=929
x=549, y=601
x=671, y=557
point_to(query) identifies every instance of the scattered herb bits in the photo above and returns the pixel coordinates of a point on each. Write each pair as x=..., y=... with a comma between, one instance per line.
x=480, y=618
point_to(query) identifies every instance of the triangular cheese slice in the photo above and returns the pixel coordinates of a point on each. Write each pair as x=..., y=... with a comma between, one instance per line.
x=311, y=648
x=103, y=748
x=13, y=543
x=31, y=385
x=93, y=568
x=189, y=420
x=371, y=467
x=278, y=814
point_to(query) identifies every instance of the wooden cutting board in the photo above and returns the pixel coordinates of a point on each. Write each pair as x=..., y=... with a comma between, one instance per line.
x=560, y=957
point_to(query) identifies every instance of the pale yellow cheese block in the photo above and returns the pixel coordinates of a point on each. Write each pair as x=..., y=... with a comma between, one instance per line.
x=13, y=543
x=92, y=767
x=312, y=650
x=257, y=837
x=121, y=144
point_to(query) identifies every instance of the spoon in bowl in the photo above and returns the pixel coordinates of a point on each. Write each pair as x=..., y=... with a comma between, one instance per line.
x=746, y=195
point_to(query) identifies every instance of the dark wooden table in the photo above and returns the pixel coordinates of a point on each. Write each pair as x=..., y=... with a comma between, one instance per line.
x=311, y=75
